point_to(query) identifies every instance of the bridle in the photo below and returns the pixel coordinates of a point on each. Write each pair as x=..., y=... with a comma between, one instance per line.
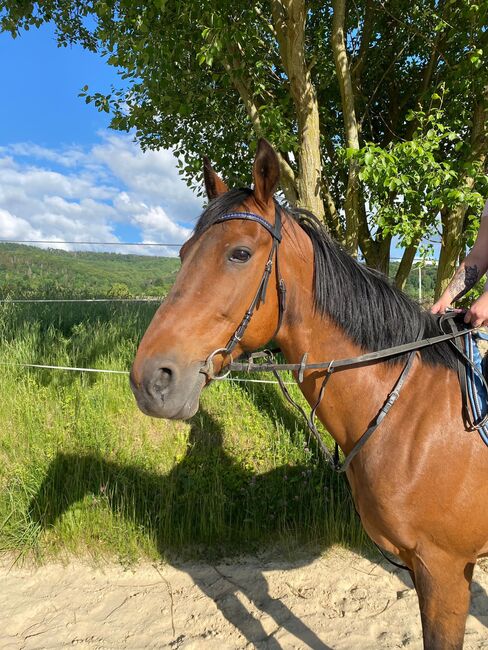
x=260, y=295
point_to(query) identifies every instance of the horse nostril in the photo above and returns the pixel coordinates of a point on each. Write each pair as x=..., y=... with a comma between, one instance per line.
x=162, y=379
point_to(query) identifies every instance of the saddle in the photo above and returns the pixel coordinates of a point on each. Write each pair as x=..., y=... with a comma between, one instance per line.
x=472, y=368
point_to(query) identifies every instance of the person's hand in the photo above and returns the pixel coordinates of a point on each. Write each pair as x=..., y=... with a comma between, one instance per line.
x=477, y=315
x=441, y=305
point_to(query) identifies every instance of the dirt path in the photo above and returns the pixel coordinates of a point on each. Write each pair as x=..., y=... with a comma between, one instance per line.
x=340, y=601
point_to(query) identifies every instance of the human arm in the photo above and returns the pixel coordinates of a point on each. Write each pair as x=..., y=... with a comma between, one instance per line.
x=471, y=269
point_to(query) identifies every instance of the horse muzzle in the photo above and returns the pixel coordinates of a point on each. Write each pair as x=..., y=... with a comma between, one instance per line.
x=165, y=389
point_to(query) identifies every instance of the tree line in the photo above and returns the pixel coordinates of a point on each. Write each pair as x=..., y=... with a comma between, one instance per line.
x=29, y=272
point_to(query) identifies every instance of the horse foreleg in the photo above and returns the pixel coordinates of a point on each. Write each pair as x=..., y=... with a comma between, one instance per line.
x=443, y=588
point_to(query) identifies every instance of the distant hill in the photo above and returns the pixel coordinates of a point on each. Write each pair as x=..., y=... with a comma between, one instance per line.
x=30, y=272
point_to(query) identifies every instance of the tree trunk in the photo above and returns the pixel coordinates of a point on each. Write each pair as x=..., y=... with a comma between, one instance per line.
x=452, y=244
x=453, y=219
x=353, y=194
x=405, y=266
x=289, y=17
x=234, y=68
x=379, y=254
x=376, y=252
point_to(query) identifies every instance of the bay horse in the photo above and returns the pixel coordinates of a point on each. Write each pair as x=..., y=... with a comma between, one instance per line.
x=420, y=483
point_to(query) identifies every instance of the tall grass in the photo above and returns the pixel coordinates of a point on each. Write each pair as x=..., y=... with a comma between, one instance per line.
x=82, y=470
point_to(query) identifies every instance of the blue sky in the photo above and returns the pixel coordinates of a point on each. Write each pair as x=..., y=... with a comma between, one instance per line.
x=63, y=174
x=41, y=85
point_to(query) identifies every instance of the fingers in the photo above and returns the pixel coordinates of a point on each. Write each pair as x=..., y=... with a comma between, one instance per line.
x=438, y=308
x=475, y=319
x=477, y=315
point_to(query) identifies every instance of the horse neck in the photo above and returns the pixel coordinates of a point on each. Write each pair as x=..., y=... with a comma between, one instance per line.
x=353, y=396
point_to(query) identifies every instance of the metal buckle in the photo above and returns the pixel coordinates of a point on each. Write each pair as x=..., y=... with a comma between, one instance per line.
x=208, y=369
x=303, y=365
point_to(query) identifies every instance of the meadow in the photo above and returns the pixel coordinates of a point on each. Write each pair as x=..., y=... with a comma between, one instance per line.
x=82, y=471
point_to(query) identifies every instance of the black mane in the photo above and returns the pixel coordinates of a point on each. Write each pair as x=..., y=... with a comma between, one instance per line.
x=361, y=301
x=364, y=303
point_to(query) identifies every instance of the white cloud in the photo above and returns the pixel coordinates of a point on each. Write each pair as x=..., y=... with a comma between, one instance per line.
x=69, y=157
x=13, y=227
x=154, y=222
x=93, y=195
x=151, y=175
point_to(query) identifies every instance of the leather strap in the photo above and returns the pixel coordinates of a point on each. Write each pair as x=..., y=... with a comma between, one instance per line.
x=260, y=295
x=390, y=400
x=274, y=231
x=336, y=364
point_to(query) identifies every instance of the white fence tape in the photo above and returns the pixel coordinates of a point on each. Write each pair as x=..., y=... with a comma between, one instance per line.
x=126, y=372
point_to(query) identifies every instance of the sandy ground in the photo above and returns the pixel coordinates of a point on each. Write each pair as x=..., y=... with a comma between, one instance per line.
x=340, y=600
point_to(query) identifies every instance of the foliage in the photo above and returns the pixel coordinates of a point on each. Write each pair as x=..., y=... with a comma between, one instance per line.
x=407, y=183
x=119, y=290
x=428, y=275
x=29, y=272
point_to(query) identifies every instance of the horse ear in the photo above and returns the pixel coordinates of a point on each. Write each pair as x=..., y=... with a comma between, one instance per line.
x=214, y=185
x=265, y=171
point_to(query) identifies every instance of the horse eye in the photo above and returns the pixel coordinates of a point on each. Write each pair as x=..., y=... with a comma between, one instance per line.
x=240, y=255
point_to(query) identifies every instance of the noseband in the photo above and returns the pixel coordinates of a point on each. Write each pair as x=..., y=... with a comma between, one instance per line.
x=275, y=232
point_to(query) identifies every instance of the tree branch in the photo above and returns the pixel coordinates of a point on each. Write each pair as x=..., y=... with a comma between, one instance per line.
x=243, y=87
x=366, y=35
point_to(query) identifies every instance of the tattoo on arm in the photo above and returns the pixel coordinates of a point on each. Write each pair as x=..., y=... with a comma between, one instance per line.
x=464, y=278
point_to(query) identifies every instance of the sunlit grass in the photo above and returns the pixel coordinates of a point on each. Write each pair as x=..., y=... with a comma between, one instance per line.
x=83, y=471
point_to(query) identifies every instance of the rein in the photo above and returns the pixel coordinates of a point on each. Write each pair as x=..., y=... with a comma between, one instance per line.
x=338, y=364
x=269, y=364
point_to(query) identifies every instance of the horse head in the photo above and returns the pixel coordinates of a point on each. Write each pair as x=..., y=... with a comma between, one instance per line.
x=223, y=268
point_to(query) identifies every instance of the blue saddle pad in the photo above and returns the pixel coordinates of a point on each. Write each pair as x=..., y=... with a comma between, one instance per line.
x=478, y=397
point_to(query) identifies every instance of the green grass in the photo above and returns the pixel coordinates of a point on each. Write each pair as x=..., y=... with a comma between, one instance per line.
x=83, y=471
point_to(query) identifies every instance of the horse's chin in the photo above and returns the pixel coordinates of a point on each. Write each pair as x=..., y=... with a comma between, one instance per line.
x=184, y=412
x=182, y=404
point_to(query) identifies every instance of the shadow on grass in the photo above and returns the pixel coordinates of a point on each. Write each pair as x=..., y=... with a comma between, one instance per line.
x=270, y=399
x=212, y=503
